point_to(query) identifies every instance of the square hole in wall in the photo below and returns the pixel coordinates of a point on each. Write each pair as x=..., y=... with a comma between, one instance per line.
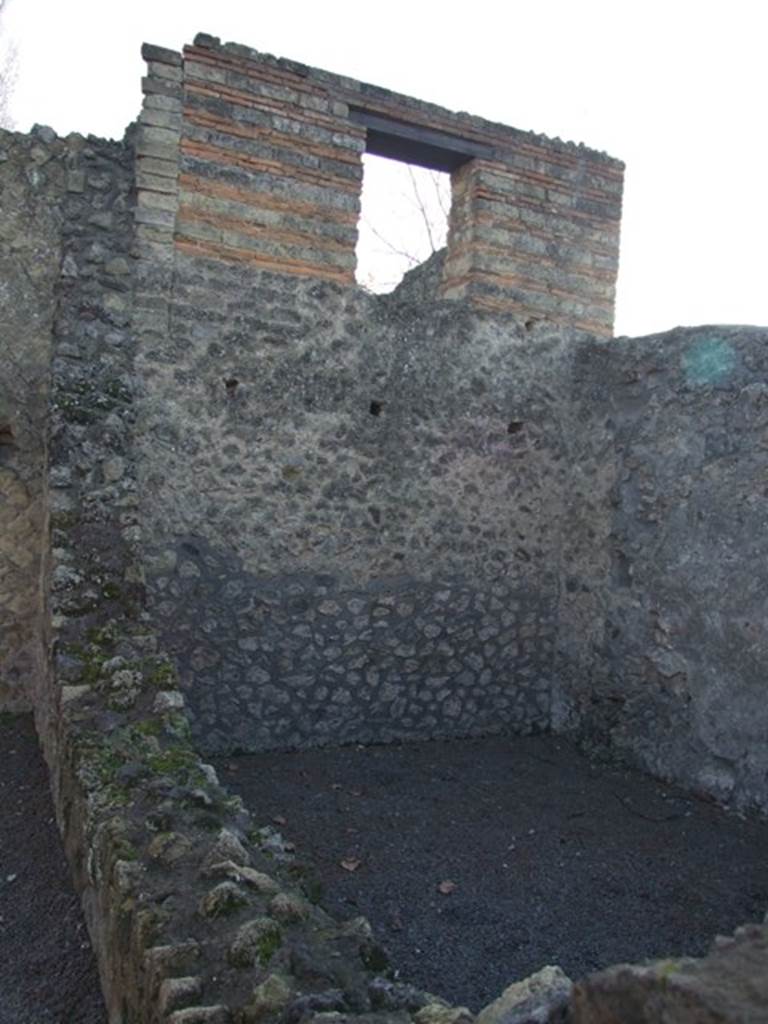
x=403, y=220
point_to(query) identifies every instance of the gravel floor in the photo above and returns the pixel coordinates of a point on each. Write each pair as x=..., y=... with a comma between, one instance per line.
x=478, y=861
x=47, y=969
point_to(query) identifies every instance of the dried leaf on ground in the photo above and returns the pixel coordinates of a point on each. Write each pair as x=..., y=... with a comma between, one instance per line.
x=350, y=863
x=396, y=921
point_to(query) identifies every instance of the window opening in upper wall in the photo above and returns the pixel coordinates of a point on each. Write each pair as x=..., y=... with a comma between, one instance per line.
x=403, y=220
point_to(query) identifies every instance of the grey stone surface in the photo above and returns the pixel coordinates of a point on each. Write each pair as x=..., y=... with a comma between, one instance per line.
x=357, y=519
x=287, y=662
x=541, y=998
x=347, y=512
x=729, y=986
x=371, y=519
x=30, y=255
x=662, y=619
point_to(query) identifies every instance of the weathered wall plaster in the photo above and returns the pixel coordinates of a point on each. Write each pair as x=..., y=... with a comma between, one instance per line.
x=663, y=613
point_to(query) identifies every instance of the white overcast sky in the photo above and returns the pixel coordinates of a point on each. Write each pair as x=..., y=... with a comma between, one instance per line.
x=677, y=89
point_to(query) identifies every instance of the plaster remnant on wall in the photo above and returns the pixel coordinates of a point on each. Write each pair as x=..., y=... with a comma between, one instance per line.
x=709, y=362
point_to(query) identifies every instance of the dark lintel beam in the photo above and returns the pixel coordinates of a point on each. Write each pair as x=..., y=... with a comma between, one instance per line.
x=414, y=144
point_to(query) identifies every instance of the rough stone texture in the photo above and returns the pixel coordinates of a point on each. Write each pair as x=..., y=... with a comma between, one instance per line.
x=729, y=986
x=541, y=998
x=370, y=520
x=662, y=622
x=94, y=578
x=328, y=555
x=392, y=512
x=32, y=174
x=136, y=807
x=322, y=473
x=146, y=826
x=271, y=168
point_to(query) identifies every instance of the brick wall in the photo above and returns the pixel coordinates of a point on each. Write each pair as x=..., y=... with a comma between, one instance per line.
x=270, y=168
x=536, y=233
x=257, y=161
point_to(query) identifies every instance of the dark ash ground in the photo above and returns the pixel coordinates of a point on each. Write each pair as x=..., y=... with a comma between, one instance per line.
x=47, y=969
x=555, y=859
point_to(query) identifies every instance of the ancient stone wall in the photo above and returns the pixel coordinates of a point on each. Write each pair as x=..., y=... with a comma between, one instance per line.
x=321, y=471
x=356, y=518
x=271, y=172
x=375, y=518
x=32, y=183
x=271, y=166
x=535, y=232
x=348, y=524
x=662, y=620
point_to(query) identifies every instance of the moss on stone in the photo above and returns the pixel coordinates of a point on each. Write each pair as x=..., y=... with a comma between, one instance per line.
x=103, y=636
x=666, y=968
x=111, y=591
x=256, y=941
x=178, y=762
x=267, y=945
x=161, y=674
x=149, y=727
x=64, y=520
x=125, y=850
x=102, y=760
x=176, y=724
x=224, y=899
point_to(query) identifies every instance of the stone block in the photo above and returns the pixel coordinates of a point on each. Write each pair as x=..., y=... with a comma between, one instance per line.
x=177, y=993
x=167, y=72
x=161, y=119
x=160, y=54
x=160, y=102
x=155, y=182
x=152, y=86
x=542, y=998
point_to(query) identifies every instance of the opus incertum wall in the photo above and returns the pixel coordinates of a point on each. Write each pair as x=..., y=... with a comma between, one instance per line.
x=369, y=518
x=347, y=517
x=365, y=518
x=348, y=528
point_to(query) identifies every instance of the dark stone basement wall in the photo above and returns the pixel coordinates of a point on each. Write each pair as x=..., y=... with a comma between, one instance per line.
x=301, y=660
